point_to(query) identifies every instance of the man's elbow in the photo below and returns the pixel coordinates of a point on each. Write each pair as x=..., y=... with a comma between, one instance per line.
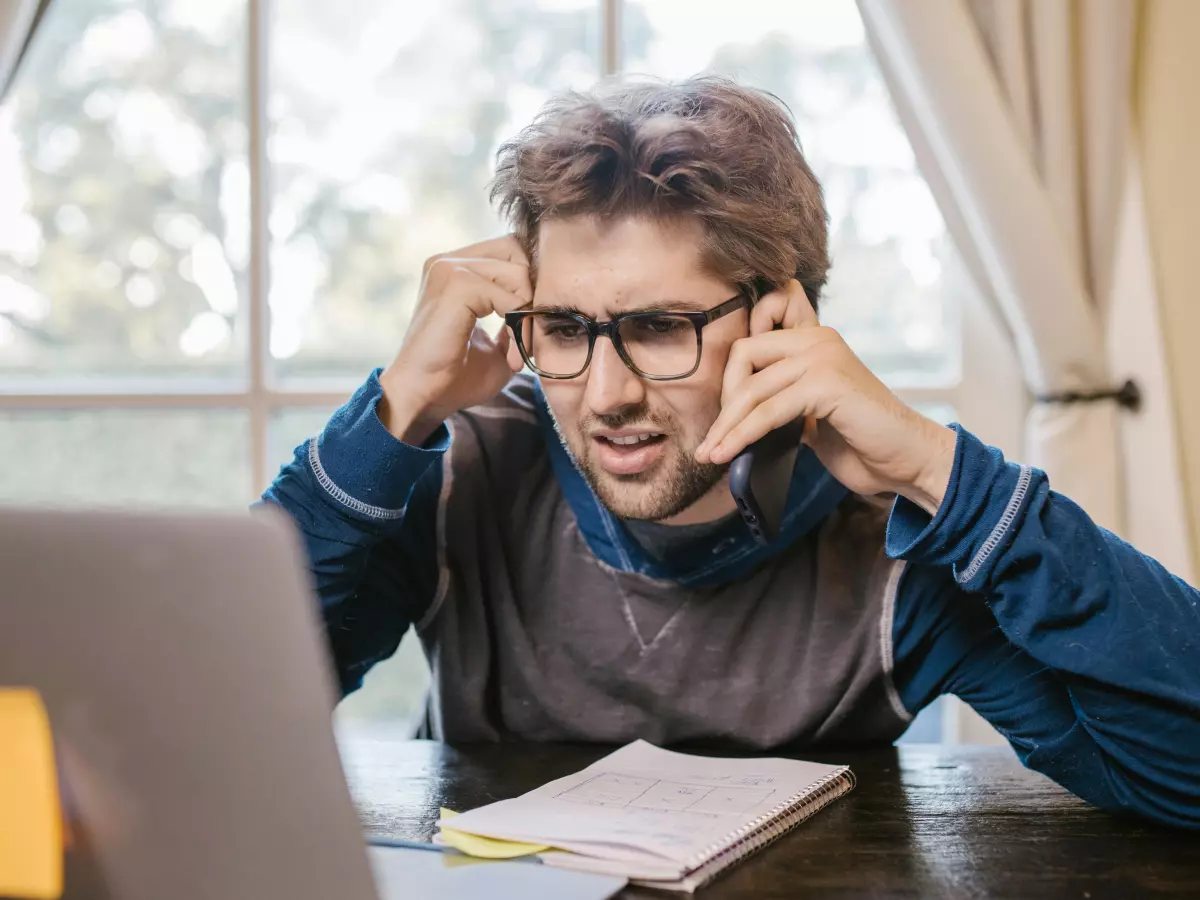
x=1121, y=777
x=1164, y=798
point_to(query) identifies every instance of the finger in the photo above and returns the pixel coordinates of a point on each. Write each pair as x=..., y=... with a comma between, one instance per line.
x=750, y=393
x=800, y=312
x=506, y=248
x=513, y=277
x=753, y=354
x=510, y=276
x=768, y=311
x=774, y=412
x=813, y=396
x=477, y=296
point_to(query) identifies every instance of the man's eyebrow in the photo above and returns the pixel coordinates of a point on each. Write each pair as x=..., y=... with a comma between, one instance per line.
x=681, y=306
x=566, y=309
x=658, y=306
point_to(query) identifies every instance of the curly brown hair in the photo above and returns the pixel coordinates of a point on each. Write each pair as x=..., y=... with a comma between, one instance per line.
x=704, y=149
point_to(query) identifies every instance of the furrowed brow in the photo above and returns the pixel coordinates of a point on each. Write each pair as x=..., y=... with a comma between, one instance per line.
x=662, y=306
x=565, y=309
x=676, y=306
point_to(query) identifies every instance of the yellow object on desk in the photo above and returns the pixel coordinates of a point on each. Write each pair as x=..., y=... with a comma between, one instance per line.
x=31, y=827
x=482, y=847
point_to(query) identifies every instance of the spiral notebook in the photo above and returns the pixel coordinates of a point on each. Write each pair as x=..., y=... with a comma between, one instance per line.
x=659, y=818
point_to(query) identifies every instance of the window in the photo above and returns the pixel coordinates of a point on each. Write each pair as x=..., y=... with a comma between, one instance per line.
x=895, y=271
x=386, y=118
x=213, y=215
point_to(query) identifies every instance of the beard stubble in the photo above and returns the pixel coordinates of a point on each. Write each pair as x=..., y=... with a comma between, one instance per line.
x=673, y=484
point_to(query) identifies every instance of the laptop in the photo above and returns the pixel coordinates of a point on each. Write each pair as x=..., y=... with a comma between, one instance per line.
x=185, y=672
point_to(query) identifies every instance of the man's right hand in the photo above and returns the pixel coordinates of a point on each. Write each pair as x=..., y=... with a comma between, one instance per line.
x=447, y=361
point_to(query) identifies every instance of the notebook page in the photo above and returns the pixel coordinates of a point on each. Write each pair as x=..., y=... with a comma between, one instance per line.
x=645, y=803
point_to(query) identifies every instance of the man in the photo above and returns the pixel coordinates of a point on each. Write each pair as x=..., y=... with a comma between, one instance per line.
x=567, y=547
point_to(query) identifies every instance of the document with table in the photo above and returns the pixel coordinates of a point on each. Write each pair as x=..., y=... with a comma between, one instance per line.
x=663, y=819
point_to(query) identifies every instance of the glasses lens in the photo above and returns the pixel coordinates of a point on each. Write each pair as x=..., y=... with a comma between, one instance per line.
x=555, y=344
x=661, y=344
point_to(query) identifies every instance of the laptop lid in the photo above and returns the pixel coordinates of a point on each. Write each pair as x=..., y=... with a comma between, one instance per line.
x=187, y=682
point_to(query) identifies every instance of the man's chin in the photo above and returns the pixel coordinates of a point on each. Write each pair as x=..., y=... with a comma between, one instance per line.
x=659, y=492
x=631, y=496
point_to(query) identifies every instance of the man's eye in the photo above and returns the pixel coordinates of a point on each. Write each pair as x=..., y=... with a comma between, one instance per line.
x=564, y=331
x=662, y=325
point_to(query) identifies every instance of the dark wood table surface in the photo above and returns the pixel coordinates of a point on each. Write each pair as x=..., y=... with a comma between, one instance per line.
x=924, y=821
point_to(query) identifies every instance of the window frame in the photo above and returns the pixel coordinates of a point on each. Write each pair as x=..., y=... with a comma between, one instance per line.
x=986, y=389
x=258, y=393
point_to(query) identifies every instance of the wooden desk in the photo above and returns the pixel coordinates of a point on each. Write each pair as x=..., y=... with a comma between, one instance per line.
x=923, y=822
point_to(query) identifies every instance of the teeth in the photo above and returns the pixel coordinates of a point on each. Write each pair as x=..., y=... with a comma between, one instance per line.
x=632, y=439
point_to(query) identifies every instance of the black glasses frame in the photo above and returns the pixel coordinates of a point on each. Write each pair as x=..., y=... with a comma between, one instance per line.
x=611, y=330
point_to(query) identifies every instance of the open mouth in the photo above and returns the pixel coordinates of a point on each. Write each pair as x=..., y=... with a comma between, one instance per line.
x=628, y=454
x=633, y=440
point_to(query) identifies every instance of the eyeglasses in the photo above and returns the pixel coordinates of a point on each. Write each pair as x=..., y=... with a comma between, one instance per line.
x=660, y=346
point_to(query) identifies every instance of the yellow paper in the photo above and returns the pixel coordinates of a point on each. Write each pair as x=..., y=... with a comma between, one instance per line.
x=31, y=848
x=483, y=847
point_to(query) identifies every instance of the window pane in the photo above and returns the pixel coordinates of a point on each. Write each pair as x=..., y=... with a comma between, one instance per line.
x=180, y=458
x=896, y=281
x=289, y=429
x=393, y=692
x=386, y=119
x=926, y=727
x=124, y=192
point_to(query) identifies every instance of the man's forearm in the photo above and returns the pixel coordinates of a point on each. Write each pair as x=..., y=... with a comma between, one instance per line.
x=1119, y=634
x=350, y=491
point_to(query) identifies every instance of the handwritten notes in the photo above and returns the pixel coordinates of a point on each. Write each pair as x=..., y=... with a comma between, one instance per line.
x=653, y=810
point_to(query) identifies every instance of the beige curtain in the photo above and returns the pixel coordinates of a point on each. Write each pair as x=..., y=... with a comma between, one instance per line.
x=18, y=19
x=1018, y=111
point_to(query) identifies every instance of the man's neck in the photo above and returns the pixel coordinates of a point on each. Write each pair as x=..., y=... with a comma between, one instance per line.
x=716, y=504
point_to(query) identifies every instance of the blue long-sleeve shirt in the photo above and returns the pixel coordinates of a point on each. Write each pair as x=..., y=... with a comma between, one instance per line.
x=1083, y=652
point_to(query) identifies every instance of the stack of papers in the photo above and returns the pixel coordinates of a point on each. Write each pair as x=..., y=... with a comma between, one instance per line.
x=664, y=819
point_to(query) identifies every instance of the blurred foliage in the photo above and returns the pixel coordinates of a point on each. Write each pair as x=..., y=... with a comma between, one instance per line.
x=125, y=214
x=128, y=123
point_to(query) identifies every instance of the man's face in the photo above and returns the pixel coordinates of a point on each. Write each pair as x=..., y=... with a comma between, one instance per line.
x=627, y=266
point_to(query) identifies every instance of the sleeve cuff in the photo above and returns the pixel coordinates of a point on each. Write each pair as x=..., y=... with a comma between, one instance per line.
x=362, y=466
x=977, y=517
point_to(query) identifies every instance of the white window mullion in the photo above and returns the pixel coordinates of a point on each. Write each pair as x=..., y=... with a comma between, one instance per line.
x=167, y=399
x=258, y=319
x=183, y=399
x=610, y=46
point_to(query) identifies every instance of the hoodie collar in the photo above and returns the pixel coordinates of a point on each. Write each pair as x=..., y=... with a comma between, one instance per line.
x=724, y=556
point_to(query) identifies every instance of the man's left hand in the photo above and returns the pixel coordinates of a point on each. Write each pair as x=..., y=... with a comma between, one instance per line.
x=869, y=440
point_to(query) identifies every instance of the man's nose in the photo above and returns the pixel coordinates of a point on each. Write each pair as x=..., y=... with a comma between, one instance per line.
x=611, y=385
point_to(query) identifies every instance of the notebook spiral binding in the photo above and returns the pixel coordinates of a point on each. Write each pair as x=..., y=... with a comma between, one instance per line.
x=768, y=827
